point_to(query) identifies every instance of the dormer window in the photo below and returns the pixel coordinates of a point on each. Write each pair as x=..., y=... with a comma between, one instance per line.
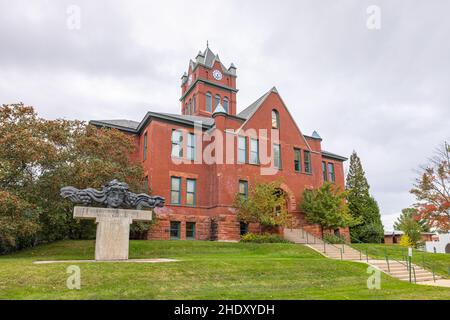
x=275, y=119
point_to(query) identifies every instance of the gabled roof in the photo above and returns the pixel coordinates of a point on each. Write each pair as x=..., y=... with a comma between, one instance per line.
x=251, y=109
x=136, y=127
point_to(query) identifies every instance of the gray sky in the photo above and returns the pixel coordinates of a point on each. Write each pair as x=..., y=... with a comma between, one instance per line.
x=384, y=93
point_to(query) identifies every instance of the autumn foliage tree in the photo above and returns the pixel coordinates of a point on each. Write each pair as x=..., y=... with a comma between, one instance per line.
x=39, y=156
x=432, y=190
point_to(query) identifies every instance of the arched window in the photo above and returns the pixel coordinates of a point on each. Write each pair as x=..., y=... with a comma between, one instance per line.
x=225, y=104
x=275, y=119
x=208, y=102
x=195, y=104
x=216, y=101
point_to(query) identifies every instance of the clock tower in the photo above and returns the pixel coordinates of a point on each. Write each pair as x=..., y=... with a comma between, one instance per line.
x=206, y=84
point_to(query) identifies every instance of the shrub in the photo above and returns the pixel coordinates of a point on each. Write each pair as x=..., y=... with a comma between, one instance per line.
x=331, y=238
x=263, y=238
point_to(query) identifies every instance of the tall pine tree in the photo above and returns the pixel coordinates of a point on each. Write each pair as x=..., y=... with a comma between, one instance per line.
x=362, y=205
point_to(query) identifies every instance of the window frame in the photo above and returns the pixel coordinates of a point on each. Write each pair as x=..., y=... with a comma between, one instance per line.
x=178, y=229
x=252, y=152
x=277, y=119
x=280, y=166
x=145, y=146
x=192, y=223
x=209, y=102
x=307, y=161
x=245, y=183
x=226, y=107
x=331, y=173
x=178, y=143
x=298, y=154
x=239, y=149
x=218, y=98
x=191, y=149
x=324, y=171
x=172, y=178
x=194, y=193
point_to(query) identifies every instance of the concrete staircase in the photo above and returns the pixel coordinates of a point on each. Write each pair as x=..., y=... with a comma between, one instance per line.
x=393, y=268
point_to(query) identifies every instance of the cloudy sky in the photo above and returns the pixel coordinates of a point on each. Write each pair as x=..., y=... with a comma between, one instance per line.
x=382, y=92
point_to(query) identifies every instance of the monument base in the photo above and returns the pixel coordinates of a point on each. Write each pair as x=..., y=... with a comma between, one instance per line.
x=113, y=230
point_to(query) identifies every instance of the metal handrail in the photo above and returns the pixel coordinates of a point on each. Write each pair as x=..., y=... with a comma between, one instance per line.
x=325, y=243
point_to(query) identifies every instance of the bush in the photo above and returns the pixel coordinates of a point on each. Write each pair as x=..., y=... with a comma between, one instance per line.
x=331, y=238
x=263, y=238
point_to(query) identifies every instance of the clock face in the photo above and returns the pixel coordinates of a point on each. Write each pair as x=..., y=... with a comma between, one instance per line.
x=217, y=75
x=190, y=80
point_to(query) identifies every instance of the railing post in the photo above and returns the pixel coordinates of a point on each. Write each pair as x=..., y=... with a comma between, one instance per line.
x=341, y=253
x=343, y=248
x=367, y=254
x=360, y=255
x=307, y=238
x=324, y=247
x=432, y=270
x=387, y=261
x=409, y=264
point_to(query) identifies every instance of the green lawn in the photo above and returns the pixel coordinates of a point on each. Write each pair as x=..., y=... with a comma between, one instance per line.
x=206, y=270
x=440, y=262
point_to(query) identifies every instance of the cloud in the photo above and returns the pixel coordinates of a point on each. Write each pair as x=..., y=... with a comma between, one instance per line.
x=382, y=93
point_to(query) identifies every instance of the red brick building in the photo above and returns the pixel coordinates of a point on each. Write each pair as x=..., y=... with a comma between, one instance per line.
x=199, y=159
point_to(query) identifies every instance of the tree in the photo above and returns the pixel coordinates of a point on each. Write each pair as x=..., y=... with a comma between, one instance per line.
x=410, y=225
x=266, y=204
x=40, y=156
x=406, y=216
x=432, y=190
x=18, y=222
x=405, y=241
x=327, y=207
x=362, y=205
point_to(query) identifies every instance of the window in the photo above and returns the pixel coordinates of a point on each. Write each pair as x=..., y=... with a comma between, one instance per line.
x=225, y=104
x=208, y=102
x=195, y=103
x=177, y=143
x=175, y=230
x=331, y=171
x=243, y=188
x=216, y=101
x=175, y=190
x=297, y=160
x=277, y=156
x=275, y=119
x=254, y=151
x=324, y=171
x=190, y=230
x=145, y=146
x=190, y=107
x=191, y=186
x=191, y=143
x=242, y=149
x=243, y=228
x=307, y=156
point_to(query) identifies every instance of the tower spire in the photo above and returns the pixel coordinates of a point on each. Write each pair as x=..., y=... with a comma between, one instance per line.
x=207, y=43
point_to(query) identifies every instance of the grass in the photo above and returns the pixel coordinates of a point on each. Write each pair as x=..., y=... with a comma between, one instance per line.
x=206, y=270
x=440, y=262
